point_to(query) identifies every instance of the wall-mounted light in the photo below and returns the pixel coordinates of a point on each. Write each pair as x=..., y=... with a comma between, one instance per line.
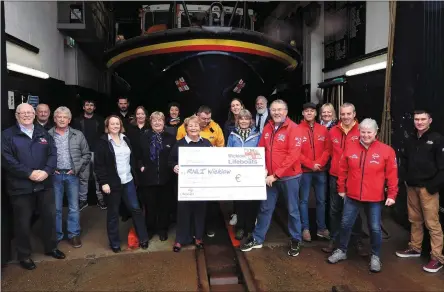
x=27, y=71
x=366, y=69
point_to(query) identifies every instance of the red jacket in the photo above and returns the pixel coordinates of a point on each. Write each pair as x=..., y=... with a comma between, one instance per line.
x=339, y=143
x=315, y=147
x=282, y=148
x=363, y=172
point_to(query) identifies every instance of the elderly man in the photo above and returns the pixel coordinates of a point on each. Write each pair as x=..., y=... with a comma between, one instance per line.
x=73, y=157
x=42, y=116
x=262, y=114
x=282, y=141
x=29, y=158
x=365, y=169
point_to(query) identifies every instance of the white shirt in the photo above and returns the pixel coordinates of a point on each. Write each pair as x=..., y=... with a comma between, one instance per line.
x=123, y=156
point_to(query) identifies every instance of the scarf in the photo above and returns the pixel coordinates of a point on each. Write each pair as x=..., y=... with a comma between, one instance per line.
x=244, y=133
x=155, y=146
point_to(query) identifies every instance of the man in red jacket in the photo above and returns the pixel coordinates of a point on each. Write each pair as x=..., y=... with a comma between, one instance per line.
x=282, y=141
x=341, y=136
x=315, y=152
x=363, y=170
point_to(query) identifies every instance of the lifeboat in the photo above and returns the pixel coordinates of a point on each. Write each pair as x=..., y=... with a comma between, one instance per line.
x=203, y=63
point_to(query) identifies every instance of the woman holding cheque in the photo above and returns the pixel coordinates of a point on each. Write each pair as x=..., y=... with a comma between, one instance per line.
x=364, y=169
x=189, y=210
x=244, y=135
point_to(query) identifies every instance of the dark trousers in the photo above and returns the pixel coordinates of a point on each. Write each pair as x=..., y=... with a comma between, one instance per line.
x=246, y=214
x=129, y=196
x=156, y=203
x=190, y=213
x=24, y=207
x=212, y=215
x=336, y=209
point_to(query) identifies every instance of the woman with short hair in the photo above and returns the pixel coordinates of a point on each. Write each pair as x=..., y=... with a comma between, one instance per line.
x=155, y=175
x=244, y=135
x=364, y=170
x=114, y=164
x=189, y=211
x=327, y=117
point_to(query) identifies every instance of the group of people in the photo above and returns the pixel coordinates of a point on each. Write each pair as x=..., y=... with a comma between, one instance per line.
x=134, y=163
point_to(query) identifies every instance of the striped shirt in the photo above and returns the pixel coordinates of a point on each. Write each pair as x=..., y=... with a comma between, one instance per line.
x=123, y=156
x=62, y=145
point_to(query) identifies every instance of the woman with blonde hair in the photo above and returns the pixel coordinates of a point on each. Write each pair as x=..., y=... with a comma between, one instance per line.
x=327, y=115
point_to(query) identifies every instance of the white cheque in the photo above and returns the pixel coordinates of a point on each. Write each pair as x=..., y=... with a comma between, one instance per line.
x=221, y=173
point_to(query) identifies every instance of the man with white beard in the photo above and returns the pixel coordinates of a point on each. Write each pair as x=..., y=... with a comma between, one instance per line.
x=262, y=114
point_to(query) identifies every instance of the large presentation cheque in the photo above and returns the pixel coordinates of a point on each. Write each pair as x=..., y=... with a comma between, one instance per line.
x=221, y=173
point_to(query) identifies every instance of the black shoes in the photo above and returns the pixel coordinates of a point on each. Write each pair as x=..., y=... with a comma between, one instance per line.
x=28, y=264
x=116, y=249
x=163, y=236
x=144, y=245
x=57, y=254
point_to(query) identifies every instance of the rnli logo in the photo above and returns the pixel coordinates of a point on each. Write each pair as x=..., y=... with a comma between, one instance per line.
x=321, y=138
x=298, y=141
x=267, y=135
x=281, y=137
x=354, y=138
x=375, y=155
x=252, y=154
x=354, y=156
x=336, y=141
x=304, y=139
x=43, y=141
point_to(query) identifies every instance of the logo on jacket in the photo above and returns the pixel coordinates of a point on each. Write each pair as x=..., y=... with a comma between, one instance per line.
x=304, y=139
x=354, y=138
x=43, y=141
x=267, y=135
x=375, y=157
x=321, y=138
x=298, y=141
x=429, y=142
x=354, y=156
x=281, y=137
x=168, y=146
x=336, y=141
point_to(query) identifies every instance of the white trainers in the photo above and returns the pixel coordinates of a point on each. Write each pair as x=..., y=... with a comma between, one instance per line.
x=233, y=220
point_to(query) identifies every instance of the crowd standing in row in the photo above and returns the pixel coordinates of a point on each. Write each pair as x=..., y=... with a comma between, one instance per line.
x=135, y=158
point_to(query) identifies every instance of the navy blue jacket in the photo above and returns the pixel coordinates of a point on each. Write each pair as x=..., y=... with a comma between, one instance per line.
x=21, y=155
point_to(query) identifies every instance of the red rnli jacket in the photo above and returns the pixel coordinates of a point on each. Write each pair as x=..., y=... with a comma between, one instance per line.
x=282, y=148
x=339, y=143
x=315, y=147
x=363, y=172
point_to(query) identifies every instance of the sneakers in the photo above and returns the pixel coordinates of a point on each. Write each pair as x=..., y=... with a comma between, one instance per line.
x=337, y=256
x=306, y=235
x=323, y=234
x=408, y=253
x=211, y=233
x=233, y=220
x=82, y=205
x=360, y=248
x=329, y=248
x=375, y=264
x=250, y=244
x=433, y=266
x=75, y=242
x=295, y=248
x=101, y=204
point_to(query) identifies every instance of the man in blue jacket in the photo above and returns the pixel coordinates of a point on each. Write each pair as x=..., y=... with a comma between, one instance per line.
x=29, y=158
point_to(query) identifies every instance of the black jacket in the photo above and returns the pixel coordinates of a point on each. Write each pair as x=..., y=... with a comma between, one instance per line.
x=422, y=161
x=156, y=172
x=79, y=124
x=133, y=132
x=21, y=155
x=49, y=124
x=105, y=165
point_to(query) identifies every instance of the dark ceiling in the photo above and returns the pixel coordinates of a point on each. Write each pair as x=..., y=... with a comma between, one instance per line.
x=127, y=12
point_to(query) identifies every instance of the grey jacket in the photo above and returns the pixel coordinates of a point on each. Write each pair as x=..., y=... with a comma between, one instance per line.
x=78, y=149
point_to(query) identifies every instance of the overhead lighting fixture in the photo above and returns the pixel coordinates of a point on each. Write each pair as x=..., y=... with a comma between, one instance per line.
x=366, y=69
x=27, y=71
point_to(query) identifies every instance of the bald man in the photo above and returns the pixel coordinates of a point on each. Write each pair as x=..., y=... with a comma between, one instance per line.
x=29, y=158
x=42, y=113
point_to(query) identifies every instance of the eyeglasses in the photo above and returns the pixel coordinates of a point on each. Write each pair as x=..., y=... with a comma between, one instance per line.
x=25, y=113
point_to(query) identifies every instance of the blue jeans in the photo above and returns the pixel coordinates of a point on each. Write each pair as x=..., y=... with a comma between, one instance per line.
x=69, y=183
x=319, y=180
x=113, y=200
x=351, y=211
x=336, y=210
x=290, y=190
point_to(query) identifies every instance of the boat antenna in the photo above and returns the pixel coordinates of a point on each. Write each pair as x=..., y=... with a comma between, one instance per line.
x=233, y=13
x=186, y=12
